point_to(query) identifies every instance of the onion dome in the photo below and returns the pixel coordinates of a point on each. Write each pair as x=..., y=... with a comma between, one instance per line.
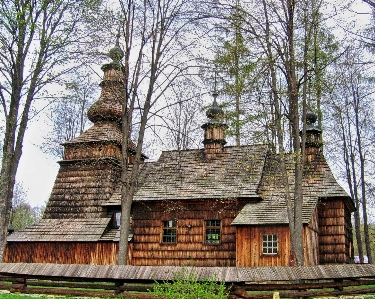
x=311, y=118
x=215, y=112
x=109, y=105
x=116, y=53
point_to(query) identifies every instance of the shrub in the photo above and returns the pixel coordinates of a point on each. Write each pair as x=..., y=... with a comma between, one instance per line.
x=187, y=286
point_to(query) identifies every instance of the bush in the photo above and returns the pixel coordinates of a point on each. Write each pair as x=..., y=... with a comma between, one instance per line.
x=187, y=286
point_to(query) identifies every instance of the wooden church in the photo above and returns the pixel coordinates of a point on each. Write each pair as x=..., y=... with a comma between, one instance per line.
x=215, y=206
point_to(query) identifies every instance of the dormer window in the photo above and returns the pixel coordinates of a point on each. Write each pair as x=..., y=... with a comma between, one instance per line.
x=116, y=218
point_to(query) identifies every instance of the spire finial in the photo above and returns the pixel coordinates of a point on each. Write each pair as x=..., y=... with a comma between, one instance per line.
x=116, y=53
x=215, y=93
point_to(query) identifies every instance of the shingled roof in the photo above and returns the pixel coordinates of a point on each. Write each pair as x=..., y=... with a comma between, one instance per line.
x=318, y=182
x=181, y=175
x=62, y=230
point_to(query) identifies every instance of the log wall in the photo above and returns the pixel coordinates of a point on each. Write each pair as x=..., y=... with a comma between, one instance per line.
x=190, y=248
x=92, y=253
x=335, y=232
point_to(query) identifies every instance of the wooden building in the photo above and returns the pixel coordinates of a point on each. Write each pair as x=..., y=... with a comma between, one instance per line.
x=215, y=206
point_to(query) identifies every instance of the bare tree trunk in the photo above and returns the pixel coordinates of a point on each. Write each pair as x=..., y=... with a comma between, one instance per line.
x=362, y=174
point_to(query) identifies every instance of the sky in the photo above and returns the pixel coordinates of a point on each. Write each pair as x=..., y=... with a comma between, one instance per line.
x=37, y=171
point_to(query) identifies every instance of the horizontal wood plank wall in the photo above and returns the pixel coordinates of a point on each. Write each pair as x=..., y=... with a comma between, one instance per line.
x=101, y=253
x=250, y=246
x=335, y=232
x=190, y=248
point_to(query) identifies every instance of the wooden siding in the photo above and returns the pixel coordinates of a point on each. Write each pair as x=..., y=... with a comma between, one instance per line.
x=311, y=241
x=249, y=246
x=335, y=232
x=190, y=248
x=91, y=253
x=92, y=150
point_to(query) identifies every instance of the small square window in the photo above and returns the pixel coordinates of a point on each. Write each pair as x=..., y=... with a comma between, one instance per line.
x=213, y=231
x=270, y=244
x=169, y=231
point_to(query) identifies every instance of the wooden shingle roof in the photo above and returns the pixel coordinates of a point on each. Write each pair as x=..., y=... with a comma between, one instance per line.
x=62, y=230
x=102, y=131
x=181, y=175
x=318, y=183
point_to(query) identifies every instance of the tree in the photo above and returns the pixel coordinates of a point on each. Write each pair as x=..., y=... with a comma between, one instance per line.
x=181, y=117
x=352, y=111
x=234, y=62
x=283, y=34
x=36, y=41
x=68, y=113
x=23, y=214
x=156, y=37
x=370, y=2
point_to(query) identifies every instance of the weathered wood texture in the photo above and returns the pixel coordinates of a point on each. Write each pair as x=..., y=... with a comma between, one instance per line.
x=167, y=273
x=81, y=189
x=335, y=232
x=190, y=248
x=311, y=241
x=93, y=150
x=91, y=253
x=249, y=246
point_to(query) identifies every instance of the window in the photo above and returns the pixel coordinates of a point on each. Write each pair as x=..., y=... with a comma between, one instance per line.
x=212, y=232
x=169, y=231
x=116, y=219
x=269, y=244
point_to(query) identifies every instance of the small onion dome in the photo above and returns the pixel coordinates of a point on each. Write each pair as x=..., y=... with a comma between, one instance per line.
x=311, y=118
x=215, y=112
x=10, y=229
x=116, y=53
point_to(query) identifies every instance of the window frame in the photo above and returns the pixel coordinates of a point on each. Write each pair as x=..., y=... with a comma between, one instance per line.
x=270, y=249
x=209, y=230
x=168, y=227
x=114, y=222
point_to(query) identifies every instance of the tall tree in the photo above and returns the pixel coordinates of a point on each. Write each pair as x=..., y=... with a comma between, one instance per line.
x=68, y=113
x=157, y=39
x=35, y=39
x=235, y=66
x=352, y=109
x=282, y=32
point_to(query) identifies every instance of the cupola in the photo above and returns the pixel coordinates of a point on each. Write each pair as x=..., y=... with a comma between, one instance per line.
x=214, y=130
x=314, y=143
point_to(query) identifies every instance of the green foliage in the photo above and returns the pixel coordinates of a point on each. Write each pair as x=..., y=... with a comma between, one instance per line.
x=187, y=286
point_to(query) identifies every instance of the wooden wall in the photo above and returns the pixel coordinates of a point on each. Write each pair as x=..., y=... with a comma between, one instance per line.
x=249, y=246
x=335, y=232
x=100, y=253
x=190, y=248
x=311, y=241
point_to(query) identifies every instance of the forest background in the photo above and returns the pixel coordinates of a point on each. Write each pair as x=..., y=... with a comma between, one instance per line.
x=228, y=49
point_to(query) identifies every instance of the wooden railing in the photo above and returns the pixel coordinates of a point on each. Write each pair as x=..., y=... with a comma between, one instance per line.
x=104, y=281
